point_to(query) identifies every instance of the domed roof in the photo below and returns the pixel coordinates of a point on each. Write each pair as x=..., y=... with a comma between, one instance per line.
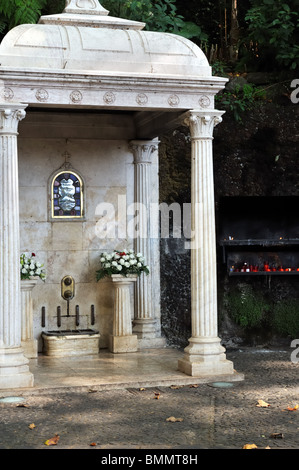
x=83, y=39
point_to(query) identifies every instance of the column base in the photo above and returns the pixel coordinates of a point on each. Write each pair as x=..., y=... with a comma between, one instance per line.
x=205, y=357
x=152, y=343
x=30, y=348
x=144, y=328
x=14, y=369
x=123, y=344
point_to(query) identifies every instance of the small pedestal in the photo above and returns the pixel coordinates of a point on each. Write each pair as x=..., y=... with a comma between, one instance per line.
x=122, y=340
x=28, y=343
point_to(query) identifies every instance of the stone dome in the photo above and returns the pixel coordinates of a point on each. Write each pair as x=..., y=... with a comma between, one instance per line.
x=87, y=43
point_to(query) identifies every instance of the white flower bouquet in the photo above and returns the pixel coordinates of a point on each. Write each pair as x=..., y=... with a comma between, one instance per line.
x=29, y=267
x=122, y=262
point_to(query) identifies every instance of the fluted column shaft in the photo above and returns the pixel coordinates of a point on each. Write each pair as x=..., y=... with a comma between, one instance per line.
x=122, y=340
x=10, y=331
x=204, y=355
x=29, y=344
x=13, y=365
x=144, y=323
x=203, y=247
x=122, y=324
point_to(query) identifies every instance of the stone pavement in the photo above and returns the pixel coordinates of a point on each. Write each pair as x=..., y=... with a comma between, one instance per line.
x=203, y=416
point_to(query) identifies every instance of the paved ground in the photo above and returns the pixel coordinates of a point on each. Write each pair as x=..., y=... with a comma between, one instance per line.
x=206, y=417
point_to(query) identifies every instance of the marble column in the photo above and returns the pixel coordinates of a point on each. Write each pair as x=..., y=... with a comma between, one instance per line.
x=204, y=355
x=144, y=322
x=14, y=369
x=122, y=340
x=28, y=343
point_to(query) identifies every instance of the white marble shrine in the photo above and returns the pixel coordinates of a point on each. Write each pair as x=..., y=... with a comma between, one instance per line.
x=87, y=94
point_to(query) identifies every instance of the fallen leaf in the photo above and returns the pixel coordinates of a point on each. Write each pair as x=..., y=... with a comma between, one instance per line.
x=193, y=386
x=292, y=409
x=249, y=446
x=175, y=387
x=262, y=404
x=276, y=435
x=142, y=389
x=93, y=444
x=157, y=395
x=52, y=441
x=172, y=419
x=31, y=426
x=23, y=405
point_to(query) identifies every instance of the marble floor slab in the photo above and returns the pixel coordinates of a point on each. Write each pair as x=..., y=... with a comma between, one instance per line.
x=144, y=368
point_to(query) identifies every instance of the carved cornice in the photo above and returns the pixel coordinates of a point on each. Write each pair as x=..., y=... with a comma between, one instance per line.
x=122, y=92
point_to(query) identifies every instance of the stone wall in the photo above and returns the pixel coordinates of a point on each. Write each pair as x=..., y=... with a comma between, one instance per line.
x=98, y=149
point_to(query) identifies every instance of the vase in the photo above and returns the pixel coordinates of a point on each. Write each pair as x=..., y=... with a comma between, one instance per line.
x=122, y=340
x=28, y=343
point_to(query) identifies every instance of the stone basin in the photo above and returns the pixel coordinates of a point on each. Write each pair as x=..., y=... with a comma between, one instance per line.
x=62, y=343
x=69, y=332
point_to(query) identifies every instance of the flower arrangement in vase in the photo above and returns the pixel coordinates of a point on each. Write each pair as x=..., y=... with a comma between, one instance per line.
x=30, y=268
x=125, y=263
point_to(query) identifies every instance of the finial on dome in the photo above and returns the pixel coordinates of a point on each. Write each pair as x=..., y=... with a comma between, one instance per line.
x=86, y=7
x=88, y=13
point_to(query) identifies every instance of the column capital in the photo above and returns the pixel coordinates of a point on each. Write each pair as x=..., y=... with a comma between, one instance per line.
x=10, y=116
x=143, y=149
x=202, y=123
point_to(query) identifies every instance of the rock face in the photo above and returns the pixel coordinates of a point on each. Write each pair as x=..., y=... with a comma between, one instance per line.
x=257, y=156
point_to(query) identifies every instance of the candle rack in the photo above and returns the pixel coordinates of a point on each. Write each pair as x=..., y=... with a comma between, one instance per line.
x=256, y=229
x=250, y=257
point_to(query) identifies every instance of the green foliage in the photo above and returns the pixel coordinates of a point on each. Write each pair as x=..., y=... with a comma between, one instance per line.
x=15, y=12
x=3, y=25
x=252, y=309
x=191, y=30
x=159, y=15
x=53, y=7
x=273, y=27
x=265, y=32
x=286, y=317
x=218, y=68
x=247, y=308
x=240, y=100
